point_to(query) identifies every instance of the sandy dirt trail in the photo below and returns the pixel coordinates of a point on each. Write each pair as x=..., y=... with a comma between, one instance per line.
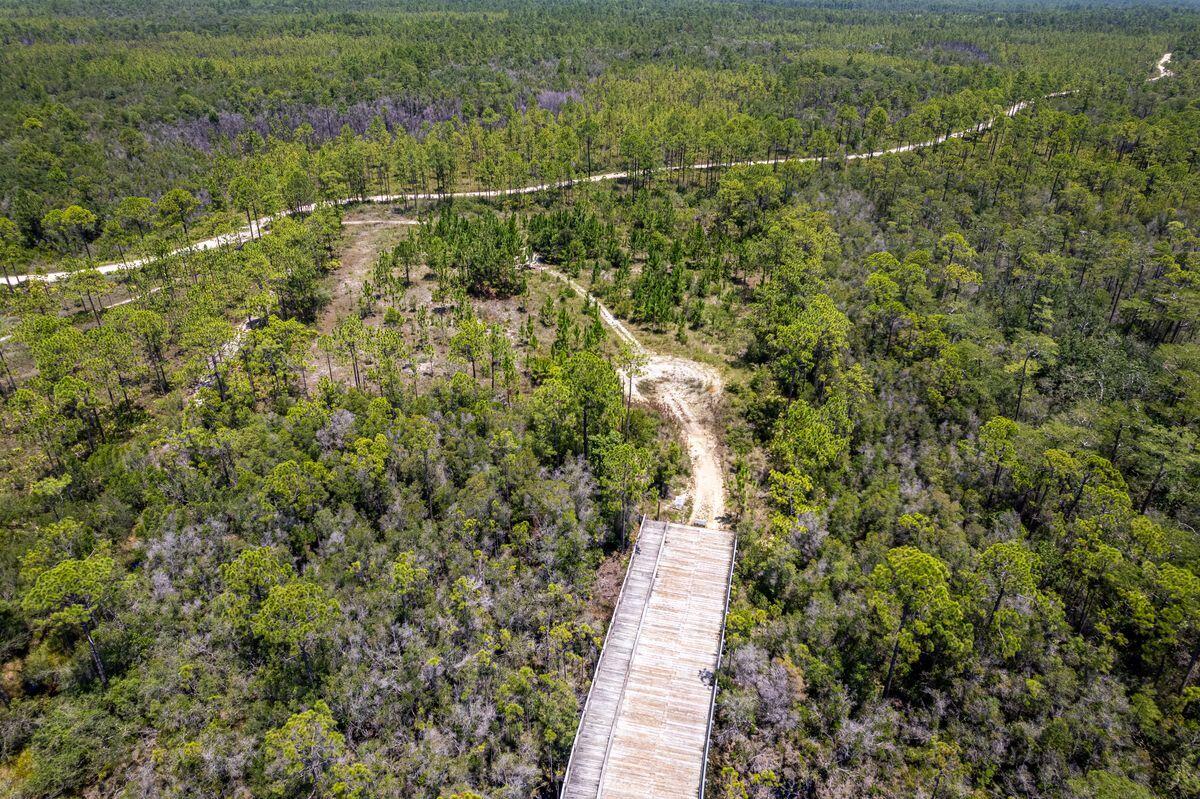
x=258, y=226
x=685, y=387
x=1161, y=70
x=689, y=392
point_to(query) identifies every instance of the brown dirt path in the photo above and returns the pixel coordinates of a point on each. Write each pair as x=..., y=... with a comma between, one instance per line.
x=688, y=391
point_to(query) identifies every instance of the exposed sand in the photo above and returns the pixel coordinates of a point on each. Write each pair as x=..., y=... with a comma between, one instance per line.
x=688, y=391
x=260, y=224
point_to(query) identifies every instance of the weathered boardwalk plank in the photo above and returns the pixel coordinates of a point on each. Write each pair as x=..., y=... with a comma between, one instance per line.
x=608, y=684
x=645, y=726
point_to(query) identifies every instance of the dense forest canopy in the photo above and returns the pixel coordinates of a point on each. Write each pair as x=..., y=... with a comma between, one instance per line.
x=130, y=103
x=340, y=508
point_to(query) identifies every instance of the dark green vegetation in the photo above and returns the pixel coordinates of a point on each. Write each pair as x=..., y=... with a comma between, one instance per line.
x=209, y=551
x=964, y=390
x=259, y=110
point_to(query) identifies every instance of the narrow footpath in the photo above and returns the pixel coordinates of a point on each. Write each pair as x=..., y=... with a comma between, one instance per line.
x=645, y=726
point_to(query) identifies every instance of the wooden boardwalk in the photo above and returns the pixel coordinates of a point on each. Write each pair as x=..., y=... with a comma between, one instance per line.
x=644, y=731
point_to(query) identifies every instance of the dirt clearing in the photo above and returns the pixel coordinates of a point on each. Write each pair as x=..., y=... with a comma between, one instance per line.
x=688, y=391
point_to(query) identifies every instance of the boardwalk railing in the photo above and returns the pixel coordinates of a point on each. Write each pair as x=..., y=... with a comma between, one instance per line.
x=712, y=707
x=629, y=666
x=603, y=648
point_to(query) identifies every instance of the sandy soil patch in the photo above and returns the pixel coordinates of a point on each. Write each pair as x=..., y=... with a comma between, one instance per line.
x=688, y=391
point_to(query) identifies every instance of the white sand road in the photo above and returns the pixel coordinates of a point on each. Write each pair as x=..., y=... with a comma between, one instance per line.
x=685, y=388
x=263, y=223
x=257, y=226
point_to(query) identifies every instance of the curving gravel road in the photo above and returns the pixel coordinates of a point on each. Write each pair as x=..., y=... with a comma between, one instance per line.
x=258, y=225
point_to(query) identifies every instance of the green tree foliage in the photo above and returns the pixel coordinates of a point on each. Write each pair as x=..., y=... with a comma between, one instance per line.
x=307, y=757
x=1008, y=571
x=484, y=255
x=247, y=580
x=71, y=596
x=910, y=596
x=625, y=478
x=594, y=388
x=811, y=441
x=960, y=418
